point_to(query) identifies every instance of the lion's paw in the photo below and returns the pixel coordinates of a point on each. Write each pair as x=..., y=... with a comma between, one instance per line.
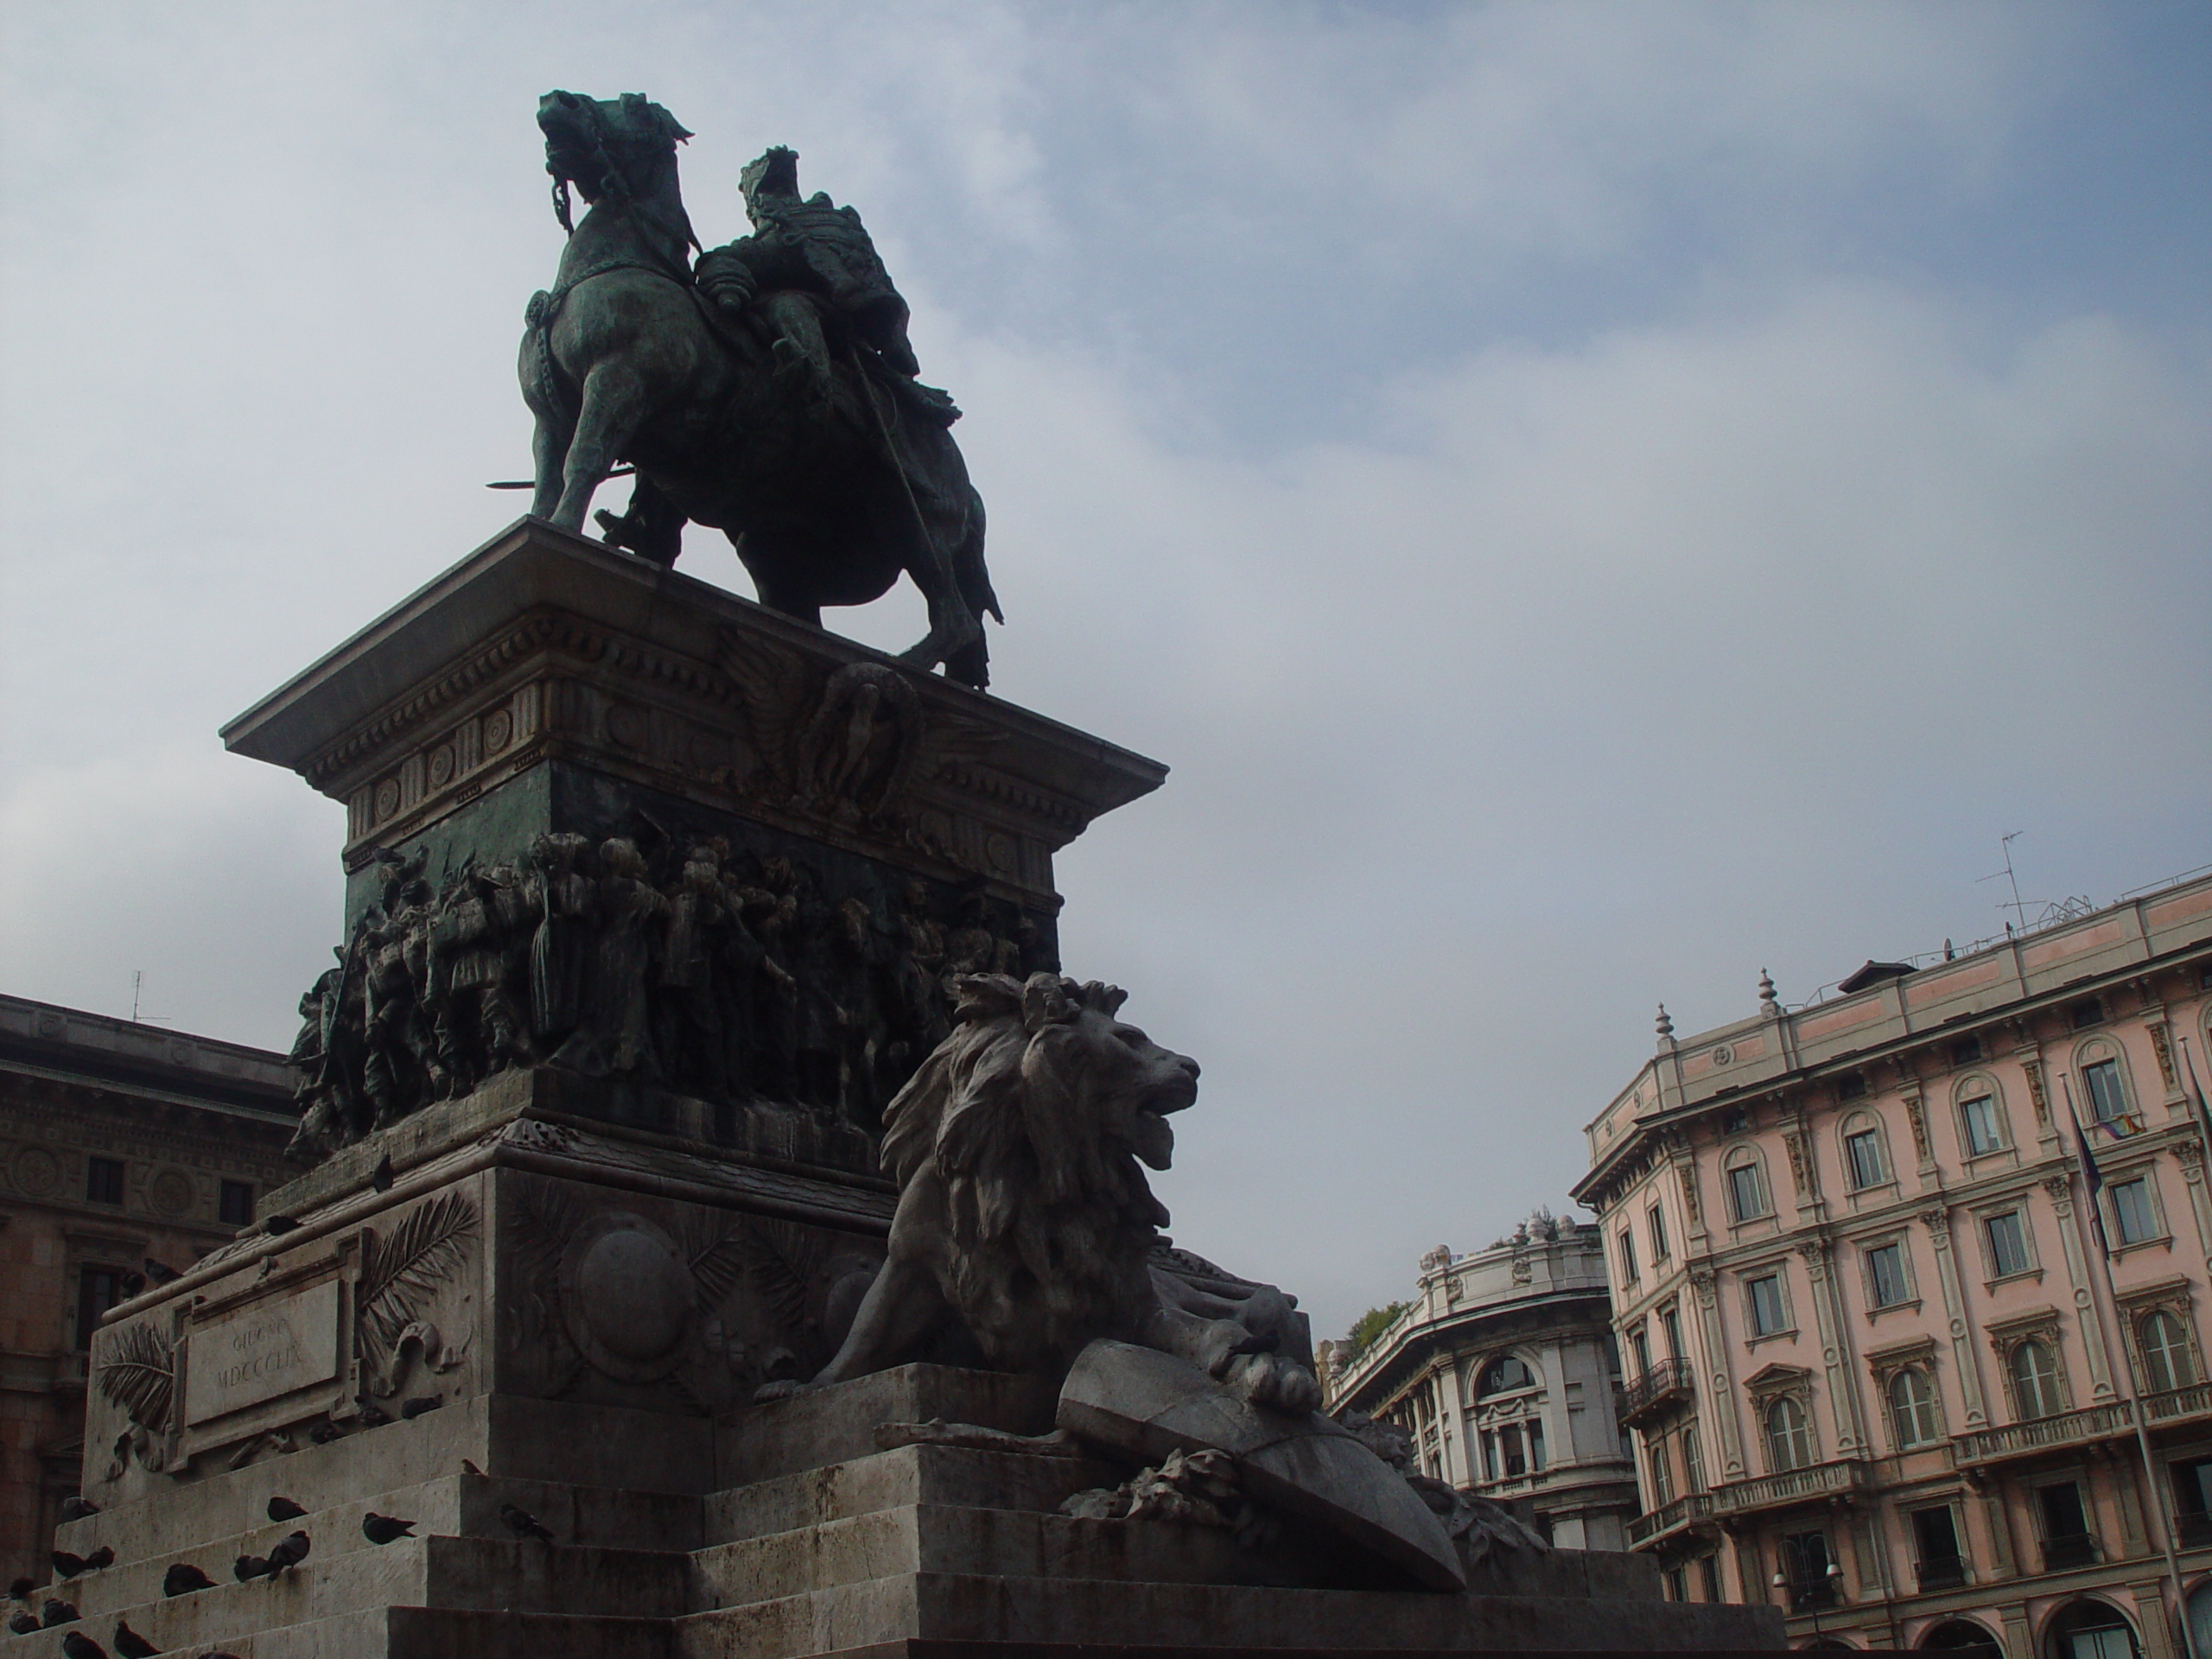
x=1272, y=1380
x=782, y=1391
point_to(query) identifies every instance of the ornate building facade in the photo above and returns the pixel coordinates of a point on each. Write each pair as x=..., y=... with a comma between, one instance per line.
x=1502, y=1370
x=1874, y=1372
x=126, y=1153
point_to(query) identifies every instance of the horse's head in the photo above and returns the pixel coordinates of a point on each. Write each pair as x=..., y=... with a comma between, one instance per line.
x=608, y=148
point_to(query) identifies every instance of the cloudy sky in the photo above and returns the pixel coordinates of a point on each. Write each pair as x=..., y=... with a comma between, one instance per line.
x=1591, y=501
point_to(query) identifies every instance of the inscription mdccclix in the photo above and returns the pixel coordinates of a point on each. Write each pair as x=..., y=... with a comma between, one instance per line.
x=261, y=1353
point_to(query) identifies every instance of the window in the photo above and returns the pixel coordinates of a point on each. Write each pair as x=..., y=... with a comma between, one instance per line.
x=1935, y=1542
x=1509, y=1440
x=1534, y=1427
x=2086, y=1012
x=1862, y=1154
x=2035, y=1381
x=1670, y=1320
x=1746, y=1188
x=1678, y=1583
x=1639, y=1348
x=1805, y=1568
x=1965, y=1051
x=1852, y=1086
x=1661, y=1471
x=1490, y=1455
x=2134, y=1219
x=1708, y=1568
x=1978, y=1124
x=97, y=1290
x=2066, y=1541
x=1503, y=1376
x=1789, y=1436
x=2008, y=1244
x=1658, y=1222
x=104, y=1180
x=1763, y=1295
x=234, y=1203
x=1735, y=1120
x=1627, y=1256
x=1692, y=1460
x=1912, y=1408
x=1885, y=1277
x=2165, y=1348
x=2101, y=1083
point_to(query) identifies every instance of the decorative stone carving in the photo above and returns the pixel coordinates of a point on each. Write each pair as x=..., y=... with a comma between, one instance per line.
x=628, y=1295
x=402, y=1272
x=2162, y=1046
x=2038, y=1096
x=1800, y=1174
x=138, y=1373
x=1916, y=1112
x=1688, y=1171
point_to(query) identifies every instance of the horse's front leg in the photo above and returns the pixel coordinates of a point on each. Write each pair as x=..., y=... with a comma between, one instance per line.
x=549, y=450
x=614, y=405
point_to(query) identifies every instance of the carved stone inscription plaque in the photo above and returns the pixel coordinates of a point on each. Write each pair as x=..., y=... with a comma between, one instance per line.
x=263, y=1351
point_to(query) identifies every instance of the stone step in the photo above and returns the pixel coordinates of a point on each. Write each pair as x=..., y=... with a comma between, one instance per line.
x=450, y=1573
x=443, y=1633
x=837, y=1424
x=940, y=1539
x=1191, y=1618
x=887, y=1480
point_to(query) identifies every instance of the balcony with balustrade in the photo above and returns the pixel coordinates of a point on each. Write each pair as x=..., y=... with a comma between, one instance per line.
x=1669, y=1519
x=1811, y=1483
x=1664, y=1384
x=2115, y=1420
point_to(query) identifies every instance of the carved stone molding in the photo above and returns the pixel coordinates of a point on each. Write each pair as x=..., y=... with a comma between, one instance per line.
x=2038, y=1095
x=1916, y=1115
x=1688, y=1171
x=2162, y=1046
x=1886, y=1363
x=1800, y=1174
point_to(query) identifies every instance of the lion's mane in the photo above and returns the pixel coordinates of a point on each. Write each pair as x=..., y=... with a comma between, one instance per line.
x=1050, y=1216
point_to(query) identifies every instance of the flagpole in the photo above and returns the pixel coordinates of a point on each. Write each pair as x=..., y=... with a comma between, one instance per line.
x=2092, y=1183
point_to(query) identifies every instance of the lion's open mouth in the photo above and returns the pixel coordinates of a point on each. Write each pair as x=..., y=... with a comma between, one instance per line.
x=1151, y=1136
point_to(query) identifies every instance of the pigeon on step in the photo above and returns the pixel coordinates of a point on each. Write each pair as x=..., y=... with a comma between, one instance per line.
x=23, y=1623
x=422, y=1403
x=382, y=1528
x=523, y=1524
x=77, y=1645
x=250, y=1567
x=324, y=1433
x=21, y=1589
x=131, y=1644
x=66, y=1565
x=76, y=1509
x=283, y=1508
x=100, y=1559
x=291, y=1549
x=56, y=1612
x=380, y=1177
x=183, y=1578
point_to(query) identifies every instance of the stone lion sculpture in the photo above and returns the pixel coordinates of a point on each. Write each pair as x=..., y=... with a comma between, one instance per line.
x=1019, y=1148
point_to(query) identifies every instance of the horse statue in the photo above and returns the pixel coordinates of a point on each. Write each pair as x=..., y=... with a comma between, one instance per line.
x=768, y=392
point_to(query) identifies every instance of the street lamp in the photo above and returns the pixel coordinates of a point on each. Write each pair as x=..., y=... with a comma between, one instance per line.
x=1828, y=1579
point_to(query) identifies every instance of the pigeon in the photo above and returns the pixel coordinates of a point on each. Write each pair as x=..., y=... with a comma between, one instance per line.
x=382, y=1528
x=466, y=1465
x=77, y=1645
x=66, y=1565
x=161, y=1273
x=183, y=1578
x=100, y=1559
x=373, y=1416
x=523, y=1524
x=76, y=1509
x=283, y=1508
x=131, y=1644
x=277, y=1226
x=249, y=1566
x=56, y=1612
x=291, y=1549
x=421, y=1403
x=23, y=1623
x=324, y=1433
x=22, y=1588
x=381, y=1178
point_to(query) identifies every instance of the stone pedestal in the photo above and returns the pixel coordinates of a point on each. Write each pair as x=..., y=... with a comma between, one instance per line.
x=555, y=1289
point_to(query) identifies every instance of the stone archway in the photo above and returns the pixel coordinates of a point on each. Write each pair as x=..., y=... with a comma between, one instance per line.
x=1962, y=1635
x=2090, y=1630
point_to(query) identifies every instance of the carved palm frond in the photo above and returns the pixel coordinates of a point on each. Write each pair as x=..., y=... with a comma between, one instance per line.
x=716, y=1269
x=140, y=1375
x=401, y=1273
x=783, y=1259
x=548, y=1218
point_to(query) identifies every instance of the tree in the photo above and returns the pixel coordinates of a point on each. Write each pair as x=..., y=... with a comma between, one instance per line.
x=1372, y=1323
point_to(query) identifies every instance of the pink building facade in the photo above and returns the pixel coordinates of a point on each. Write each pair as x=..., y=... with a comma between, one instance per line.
x=1874, y=1371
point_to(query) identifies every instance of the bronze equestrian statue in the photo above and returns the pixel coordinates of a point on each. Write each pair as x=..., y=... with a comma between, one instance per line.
x=769, y=391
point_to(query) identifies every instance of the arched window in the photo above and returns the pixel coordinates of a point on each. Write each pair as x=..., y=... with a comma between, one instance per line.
x=1745, y=1181
x=1692, y=1460
x=2092, y=1630
x=1503, y=1376
x=1789, y=1436
x=1865, y=1160
x=1960, y=1636
x=2164, y=1346
x=1982, y=1126
x=2104, y=1086
x=1912, y=1408
x=1660, y=1470
x=2035, y=1381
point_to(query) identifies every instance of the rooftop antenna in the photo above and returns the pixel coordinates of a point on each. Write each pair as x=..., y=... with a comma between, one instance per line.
x=2018, y=907
x=137, y=980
